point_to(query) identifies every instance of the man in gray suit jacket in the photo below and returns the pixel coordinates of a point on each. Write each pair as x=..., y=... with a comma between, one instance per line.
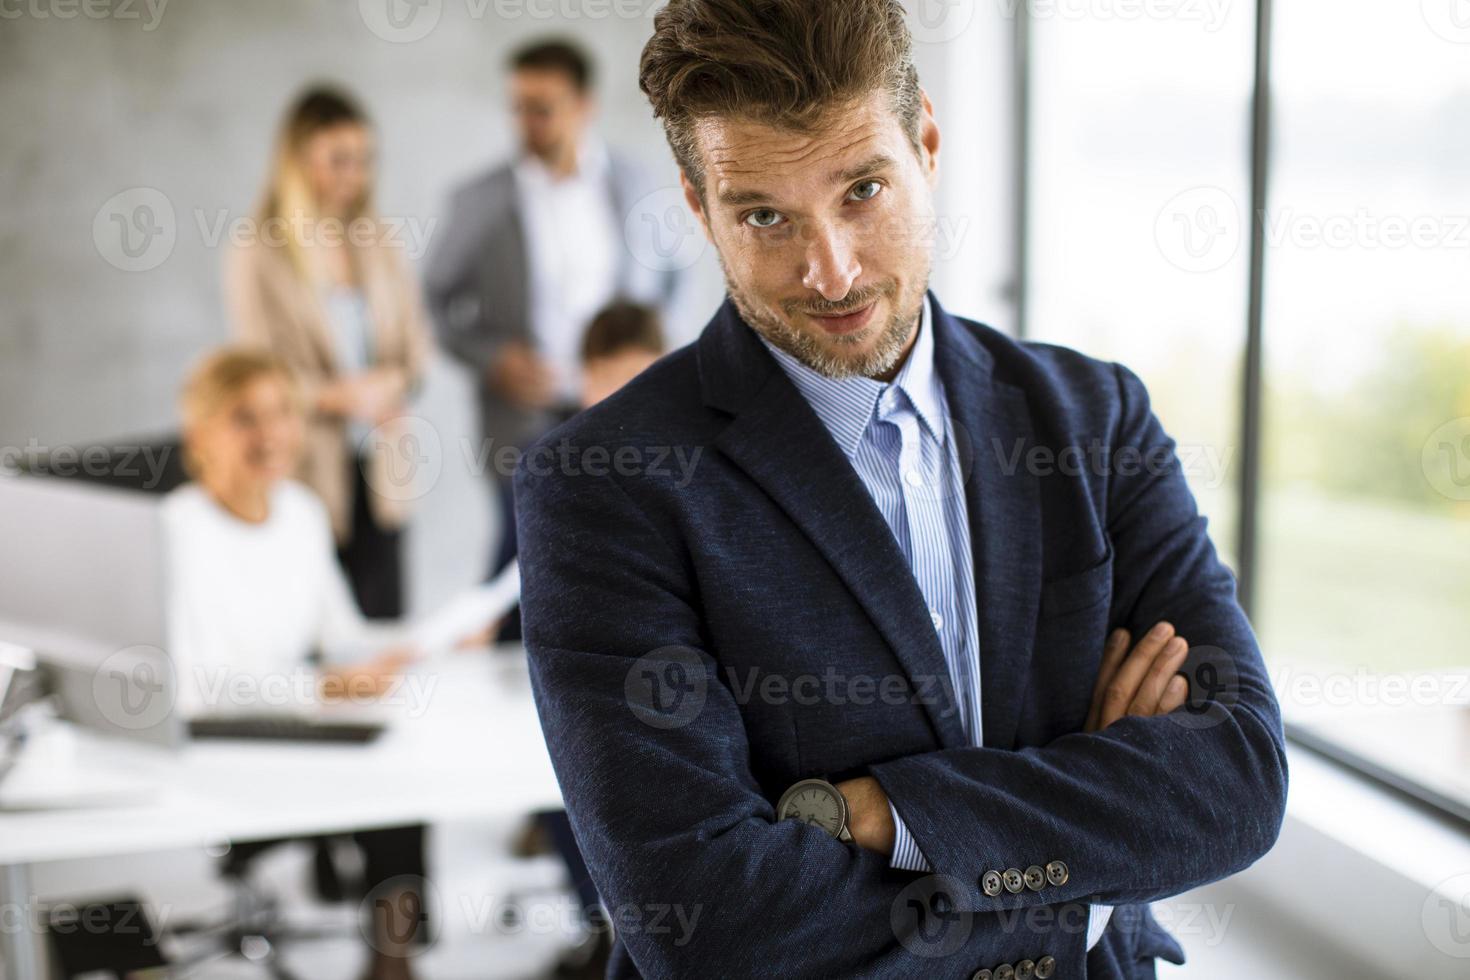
x=534, y=248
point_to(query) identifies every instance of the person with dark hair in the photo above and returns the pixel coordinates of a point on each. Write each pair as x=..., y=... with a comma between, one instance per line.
x=891, y=678
x=321, y=284
x=620, y=344
x=558, y=56
x=531, y=251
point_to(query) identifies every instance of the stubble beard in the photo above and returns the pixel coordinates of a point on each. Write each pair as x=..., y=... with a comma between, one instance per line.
x=829, y=359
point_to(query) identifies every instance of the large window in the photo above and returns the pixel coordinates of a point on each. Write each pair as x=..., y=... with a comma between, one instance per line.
x=1363, y=587
x=1356, y=559
x=1365, y=543
x=1138, y=194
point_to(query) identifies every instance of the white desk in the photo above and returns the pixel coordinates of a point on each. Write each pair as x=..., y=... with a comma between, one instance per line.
x=474, y=749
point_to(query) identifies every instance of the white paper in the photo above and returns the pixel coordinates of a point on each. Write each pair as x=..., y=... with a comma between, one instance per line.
x=467, y=613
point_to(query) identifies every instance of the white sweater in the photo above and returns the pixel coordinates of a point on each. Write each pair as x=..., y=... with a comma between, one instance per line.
x=248, y=603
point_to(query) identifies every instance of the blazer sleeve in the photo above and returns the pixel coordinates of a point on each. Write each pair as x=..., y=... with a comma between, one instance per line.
x=1149, y=807
x=452, y=282
x=654, y=764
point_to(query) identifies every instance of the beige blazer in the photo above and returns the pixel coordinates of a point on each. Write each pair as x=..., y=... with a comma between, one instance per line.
x=270, y=305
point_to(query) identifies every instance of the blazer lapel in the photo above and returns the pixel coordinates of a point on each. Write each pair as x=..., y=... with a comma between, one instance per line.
x=779, y=441
x=1003, y=499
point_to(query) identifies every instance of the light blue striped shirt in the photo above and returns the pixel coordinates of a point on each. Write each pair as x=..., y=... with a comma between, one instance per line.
x=899, y=438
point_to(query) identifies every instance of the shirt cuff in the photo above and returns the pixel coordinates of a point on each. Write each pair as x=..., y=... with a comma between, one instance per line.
x=1097, y=921
x=906, y=854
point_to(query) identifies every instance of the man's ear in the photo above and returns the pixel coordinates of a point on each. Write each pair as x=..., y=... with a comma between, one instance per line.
x=929, y=139
x=696, y=206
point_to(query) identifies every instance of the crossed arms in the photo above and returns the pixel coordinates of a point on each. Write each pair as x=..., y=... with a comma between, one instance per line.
x=1142, y=809
x=1141, y=682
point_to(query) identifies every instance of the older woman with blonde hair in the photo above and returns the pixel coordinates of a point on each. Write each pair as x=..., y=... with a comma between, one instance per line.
x=254, y=588
x=324, y=285
x=257, y=601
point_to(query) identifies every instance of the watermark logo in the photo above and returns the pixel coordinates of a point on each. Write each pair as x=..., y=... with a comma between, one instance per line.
x=135, y=230
x=1211, y=14
x=667, y=688
x=409, y=234
x=395, y=914
x=150, y=12
x=1445, y=917
x=1214, y=688
x=401, y=21
x=938, y=21
x=1202, y=924
x=1450, y=19
x=1362, y=229
x=148, y=465
x=1446, y=459
x=134, y=687
x=408, y=455
x=1309, y=688
x=929, y=918
x=1204, y=465
x=661, y=232
x=1199, y=230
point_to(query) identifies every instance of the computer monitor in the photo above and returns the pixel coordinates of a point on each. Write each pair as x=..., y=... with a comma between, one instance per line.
x=82, y=584
x=82, y=559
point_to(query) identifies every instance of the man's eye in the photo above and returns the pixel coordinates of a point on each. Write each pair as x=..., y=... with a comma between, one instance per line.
x=764, y=218
x=865, y=191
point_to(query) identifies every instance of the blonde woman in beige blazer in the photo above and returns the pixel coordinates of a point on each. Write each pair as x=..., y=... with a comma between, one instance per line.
x=323, y=285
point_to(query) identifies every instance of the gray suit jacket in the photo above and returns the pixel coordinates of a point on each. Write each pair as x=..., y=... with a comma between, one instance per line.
x=478, y=283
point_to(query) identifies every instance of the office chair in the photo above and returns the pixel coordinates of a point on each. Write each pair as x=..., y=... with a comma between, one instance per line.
x=255, y=929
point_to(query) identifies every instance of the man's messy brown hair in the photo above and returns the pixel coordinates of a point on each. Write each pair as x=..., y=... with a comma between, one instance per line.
x=786, y=63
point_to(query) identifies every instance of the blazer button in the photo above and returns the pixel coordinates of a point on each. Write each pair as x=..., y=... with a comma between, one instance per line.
x=1057, y=873
x=1035, y=878
x=1005, y=972
x=1013, y=880
x=1045, y=967
x=1025, y=970
x=991, y=883
x=982, y=975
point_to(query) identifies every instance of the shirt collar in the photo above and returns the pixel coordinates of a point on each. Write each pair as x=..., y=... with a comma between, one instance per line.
x=592, y=164
x=847, y=406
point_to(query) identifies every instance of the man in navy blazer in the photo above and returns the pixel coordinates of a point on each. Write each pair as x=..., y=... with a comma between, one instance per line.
x=829, y=614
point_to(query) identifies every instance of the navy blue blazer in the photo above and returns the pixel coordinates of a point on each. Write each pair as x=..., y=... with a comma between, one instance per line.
x=714, y=609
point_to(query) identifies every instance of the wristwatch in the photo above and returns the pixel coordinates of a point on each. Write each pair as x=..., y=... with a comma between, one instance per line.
x=817, y=802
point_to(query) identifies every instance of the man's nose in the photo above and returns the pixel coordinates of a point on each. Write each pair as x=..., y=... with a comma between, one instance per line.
x=831, y=262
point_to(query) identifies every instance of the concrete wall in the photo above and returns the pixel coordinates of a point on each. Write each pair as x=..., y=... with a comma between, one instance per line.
x=176, y=111
x=174, y=106
x=187, y=109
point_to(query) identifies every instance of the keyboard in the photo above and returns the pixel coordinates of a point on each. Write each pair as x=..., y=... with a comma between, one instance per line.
x=284, y=728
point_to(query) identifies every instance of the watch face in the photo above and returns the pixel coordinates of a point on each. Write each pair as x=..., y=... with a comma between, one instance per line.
x=816, y=802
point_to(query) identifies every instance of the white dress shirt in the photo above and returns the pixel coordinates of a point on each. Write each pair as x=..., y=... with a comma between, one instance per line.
x=573, y=241
x=249, y=603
